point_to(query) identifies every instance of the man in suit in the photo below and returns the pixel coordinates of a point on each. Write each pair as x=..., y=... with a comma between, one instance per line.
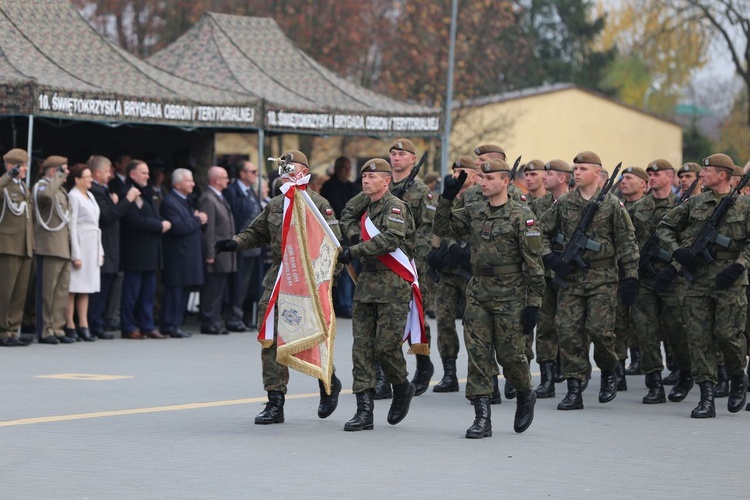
x=111, y=210
x=220, y=226
x=116, y=185
x=245, y=204
x=140, y=245
x=16, y=245
x=183, y=253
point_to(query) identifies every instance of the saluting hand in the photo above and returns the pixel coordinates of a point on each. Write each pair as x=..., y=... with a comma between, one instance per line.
x=453, y=186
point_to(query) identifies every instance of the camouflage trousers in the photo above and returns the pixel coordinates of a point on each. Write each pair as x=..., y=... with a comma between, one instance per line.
x=377, y=330
x=716, y=321
x=623, y=329
x=547, y=346
x=586, y=314
x=657, y=319
x=492, y=330
x=275, y=375
x=448, y=294
x=427, y=287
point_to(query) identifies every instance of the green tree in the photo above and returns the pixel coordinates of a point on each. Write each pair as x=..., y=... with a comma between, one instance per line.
x=695, y=146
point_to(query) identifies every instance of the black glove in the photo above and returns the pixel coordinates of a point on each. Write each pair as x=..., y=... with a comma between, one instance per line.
x=459, y=256
x=529, y=318
x=665, y=278
x=345, y=256
x=14, y=172
x=628, y=291
x=728, y=276
x=554, y=262
x=433, y=259
x=226, y=246
x=687, y=259
x=453, y=186
x=354, y=239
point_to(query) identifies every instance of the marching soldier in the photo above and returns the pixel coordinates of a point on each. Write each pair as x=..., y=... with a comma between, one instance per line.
x=715, y=302
x=504, y=293
x=382, y=294
x=16, y=245
x=586, y=308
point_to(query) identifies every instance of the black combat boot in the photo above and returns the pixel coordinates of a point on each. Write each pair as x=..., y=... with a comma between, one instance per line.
x=573, y=399
x=482, y=426
x=524, y=410
x=328, y=403
x=655, y=389
x=402, y=394
x=509, y=390
x=705, y=408
x=546, y=388
x=559, y=378
x=622, y=384
x=425, y=371
x=737, y=393
x=681, y=389
x=635, y=362
x=722, y=385
x=674, y=371
x=274, y=412
x=362, y=420
x=496, y=398
x=449, y=382
x=608, y=388
x=382, y=387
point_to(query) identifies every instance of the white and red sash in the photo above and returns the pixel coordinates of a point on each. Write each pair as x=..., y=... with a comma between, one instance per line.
x=399, y=263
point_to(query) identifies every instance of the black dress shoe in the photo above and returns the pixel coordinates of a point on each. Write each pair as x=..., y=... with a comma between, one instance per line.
x=65, y=340
x=85, y=334
x=176, y=334
x=111, y=327
x=103, y=335
x=51, y=340
x=71, y=333
x=13, y=342
x=237, y=326
x=213, y=330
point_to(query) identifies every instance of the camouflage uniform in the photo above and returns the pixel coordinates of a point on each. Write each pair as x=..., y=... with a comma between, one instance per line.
x=508, y=276
x=716, y=317
x=266, y=230
x=381, y=298
x=586, y=309
x=623, y=318
x=547, y=345
x=516, y=194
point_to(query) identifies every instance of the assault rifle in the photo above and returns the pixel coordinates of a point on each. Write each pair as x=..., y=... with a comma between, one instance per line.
x=400, y=191
x=708, y=233
x=579, y=242
x=514, y=169
x=684, y=197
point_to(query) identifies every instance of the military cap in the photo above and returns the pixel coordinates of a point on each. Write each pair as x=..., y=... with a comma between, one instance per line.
x=16, y=156
x=737, y=171
x=658, y=165
x=588, y=157
x=465, y=162
x=54, y=162
x=376, y=165
x=403, y=145
x=297, y=157
x=718, y=160
x=534, y=165
x=559, y=166
x=488, y=148
x=489, y=166
x=637, y=171
x=689, y=167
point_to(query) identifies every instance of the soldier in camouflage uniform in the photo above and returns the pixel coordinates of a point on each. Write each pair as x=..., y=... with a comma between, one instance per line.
x=381, y=297
x=556, y=181
x=715, y=302
x=586, y=308
x=266, y=229
x=494, y=152
x=534, y=174
x=503, y=296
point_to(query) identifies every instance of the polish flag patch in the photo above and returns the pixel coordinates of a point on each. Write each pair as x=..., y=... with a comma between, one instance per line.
x=329, y=211
x=523, y=197
x=429, y=196
x=529, y=222
x=396, y=210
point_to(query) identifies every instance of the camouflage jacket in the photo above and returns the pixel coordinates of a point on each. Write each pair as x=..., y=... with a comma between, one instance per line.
x=540, y=205
x=506, y=249
x=646, y=214
x=266, y=230
x=468, y=197
x=516, y=194
x=611, y=226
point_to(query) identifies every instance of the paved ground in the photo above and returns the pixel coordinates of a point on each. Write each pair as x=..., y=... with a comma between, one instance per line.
x=175, y=420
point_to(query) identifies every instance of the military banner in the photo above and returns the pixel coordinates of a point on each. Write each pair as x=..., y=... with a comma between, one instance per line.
x=301, y=301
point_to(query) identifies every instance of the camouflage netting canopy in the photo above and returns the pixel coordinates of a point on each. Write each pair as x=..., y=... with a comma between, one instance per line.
x=253, y=55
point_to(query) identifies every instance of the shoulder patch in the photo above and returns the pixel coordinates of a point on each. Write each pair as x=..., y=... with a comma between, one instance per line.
x=529, y=222
x=523, y=197
x=429, y=196
x=329, y=211
x=622, y=204
x=395, y=210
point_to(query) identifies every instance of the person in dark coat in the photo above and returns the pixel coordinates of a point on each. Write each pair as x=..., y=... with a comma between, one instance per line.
x=245, y=204
x=111, y=210
x=183, y=252
x=140, y=245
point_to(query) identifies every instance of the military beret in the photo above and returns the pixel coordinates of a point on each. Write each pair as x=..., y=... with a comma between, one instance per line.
x=431, y=177
x=737, y=171
x=718, y=160
x=297, y=157
x=637, y=171
x=489, y=166
x=489, y=148
x=16, y=156
x=376, y=165
x=403, y=145
x=657, y=165
x=534, y=165
x=689, y=167
x=465, y=162
x=588, y=157
x=559, y=166
x=54, y=162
